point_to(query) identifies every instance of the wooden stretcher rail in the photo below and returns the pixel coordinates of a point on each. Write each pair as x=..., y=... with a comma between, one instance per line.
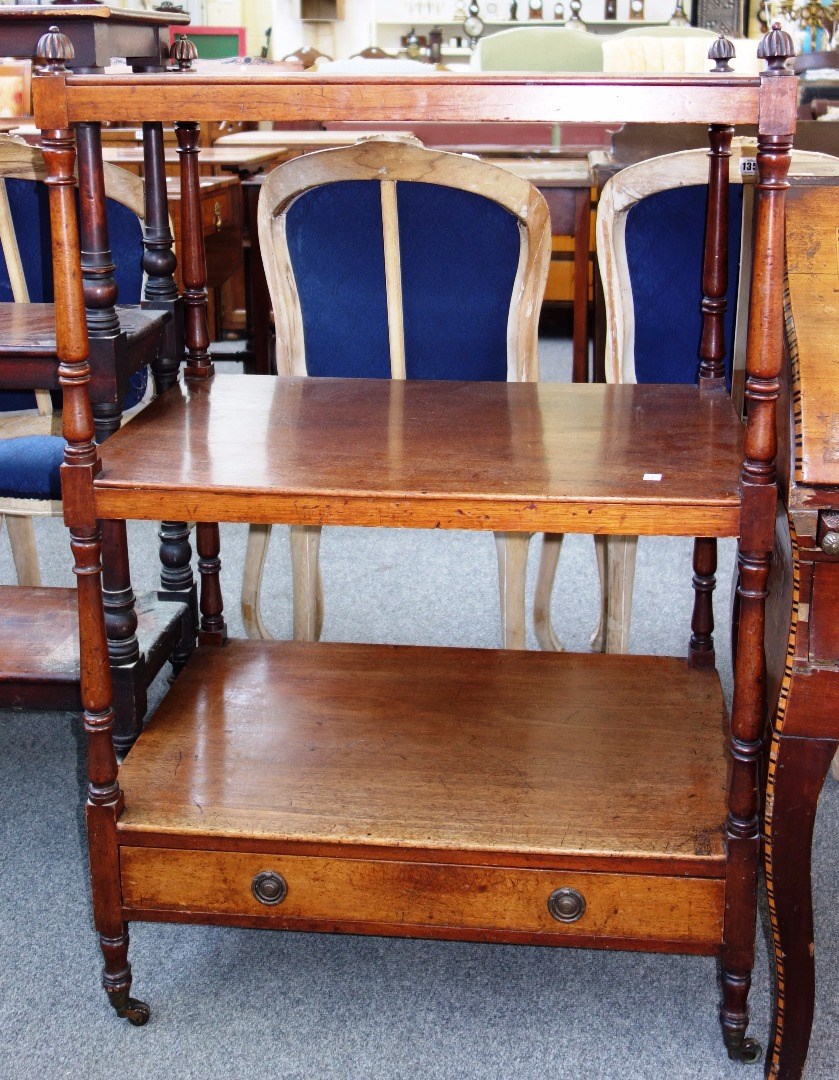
x=701, y=99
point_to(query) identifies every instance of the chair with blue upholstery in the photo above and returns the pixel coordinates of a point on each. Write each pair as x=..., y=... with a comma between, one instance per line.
x=539, y=48
x=650, y=244
x=31, y=449
x=389, y=260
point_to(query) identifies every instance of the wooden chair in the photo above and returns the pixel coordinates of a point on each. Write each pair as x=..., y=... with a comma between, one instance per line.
x=650, y=239
x=539, y=48
x=307, y=56
x=373, y=52
x=30, y=448
x=436, y=271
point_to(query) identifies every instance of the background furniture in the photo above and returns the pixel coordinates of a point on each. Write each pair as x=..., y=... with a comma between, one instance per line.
x=508, y=846
x=435, y=272
x=803, y=638
x=96, y=32
x=215, y=42
x=538, y=48
x=39, y=652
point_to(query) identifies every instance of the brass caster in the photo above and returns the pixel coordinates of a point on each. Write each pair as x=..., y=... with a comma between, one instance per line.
x=136, y=1012
x=746, y=1050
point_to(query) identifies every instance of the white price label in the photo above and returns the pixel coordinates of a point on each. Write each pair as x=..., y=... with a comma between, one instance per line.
x=748, y=166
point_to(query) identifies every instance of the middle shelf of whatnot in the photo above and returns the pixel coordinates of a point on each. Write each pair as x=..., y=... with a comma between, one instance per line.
x=512, y=456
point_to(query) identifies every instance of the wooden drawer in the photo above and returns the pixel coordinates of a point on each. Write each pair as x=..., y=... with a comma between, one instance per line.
x=424, y=899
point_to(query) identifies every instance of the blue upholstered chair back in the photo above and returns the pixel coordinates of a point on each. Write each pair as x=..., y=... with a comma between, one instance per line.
x=459, y=255
x=28, y=201
x=665, y=239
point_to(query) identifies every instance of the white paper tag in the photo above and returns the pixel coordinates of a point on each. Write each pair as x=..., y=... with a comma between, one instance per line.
x=748, y=166
x=652, y=475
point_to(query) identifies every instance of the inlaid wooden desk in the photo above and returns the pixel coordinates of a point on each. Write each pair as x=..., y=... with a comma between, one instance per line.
x=803, y=640
x=454, y=780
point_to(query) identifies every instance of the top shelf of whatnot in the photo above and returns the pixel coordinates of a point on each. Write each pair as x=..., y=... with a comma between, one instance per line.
x=522, y=98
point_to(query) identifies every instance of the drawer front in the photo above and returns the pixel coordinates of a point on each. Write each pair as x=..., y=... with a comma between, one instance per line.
x=380, y=897
x=219, y=210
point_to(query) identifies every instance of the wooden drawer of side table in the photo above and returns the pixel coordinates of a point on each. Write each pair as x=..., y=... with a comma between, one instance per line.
x=425, y=899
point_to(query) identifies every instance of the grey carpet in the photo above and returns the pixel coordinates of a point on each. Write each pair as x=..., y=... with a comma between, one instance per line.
x=233, y=1003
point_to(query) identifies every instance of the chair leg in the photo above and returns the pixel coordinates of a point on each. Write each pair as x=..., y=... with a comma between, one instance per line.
x=601, y=552
x=259, y=537
x=620, y=566
x=307, y=584
x=512, y=568
x=24, y=552
x=546, y=575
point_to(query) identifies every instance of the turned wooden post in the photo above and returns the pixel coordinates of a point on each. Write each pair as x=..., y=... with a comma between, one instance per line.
x=159, y=262
x=81, y=463
x=161, y=293
x=100, y=295
x=701, y=652
x=759, y=498
x=213, y=629
x=193, y=260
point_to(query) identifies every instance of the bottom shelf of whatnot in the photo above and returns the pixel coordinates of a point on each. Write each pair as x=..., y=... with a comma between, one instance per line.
x=482, y=795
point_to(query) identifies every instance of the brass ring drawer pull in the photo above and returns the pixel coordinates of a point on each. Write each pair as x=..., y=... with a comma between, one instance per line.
x=269, y=887
x=566, y=905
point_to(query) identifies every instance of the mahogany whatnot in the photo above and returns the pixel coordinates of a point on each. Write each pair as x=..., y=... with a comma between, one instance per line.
x=62, y=100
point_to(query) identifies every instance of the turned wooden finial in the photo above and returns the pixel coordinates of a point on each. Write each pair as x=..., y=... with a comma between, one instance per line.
x=776, y=47
x=183, y=52
x=721, y=52
x=52, y=50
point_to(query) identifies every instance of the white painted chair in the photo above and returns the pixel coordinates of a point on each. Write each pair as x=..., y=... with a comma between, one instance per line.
x=388, y=260
x=670, y=343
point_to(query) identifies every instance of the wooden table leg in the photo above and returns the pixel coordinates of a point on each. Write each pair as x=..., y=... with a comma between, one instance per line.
x=582, y=227
x=797, y=769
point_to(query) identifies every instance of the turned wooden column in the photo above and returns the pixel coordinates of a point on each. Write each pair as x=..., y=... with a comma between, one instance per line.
x=161, y=293
x=757, y=526
x=712, y=351
x=159, y=262
x=81, y=463
x=193, y=260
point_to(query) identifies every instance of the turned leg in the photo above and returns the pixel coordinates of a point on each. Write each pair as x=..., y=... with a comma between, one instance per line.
x=116, y=978
x=545, y=577
x=307, y=583
x=177, y=583
x=213, y=629
x=127, y=669
x=701, y=649
x=512, y=568
x=797, y=768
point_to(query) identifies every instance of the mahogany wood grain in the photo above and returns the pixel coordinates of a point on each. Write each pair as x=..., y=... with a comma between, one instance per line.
x=377, y=897
x=516, y=457
x=422, y=750
x=759, y=492
x=479, y=96
x=813, y=282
